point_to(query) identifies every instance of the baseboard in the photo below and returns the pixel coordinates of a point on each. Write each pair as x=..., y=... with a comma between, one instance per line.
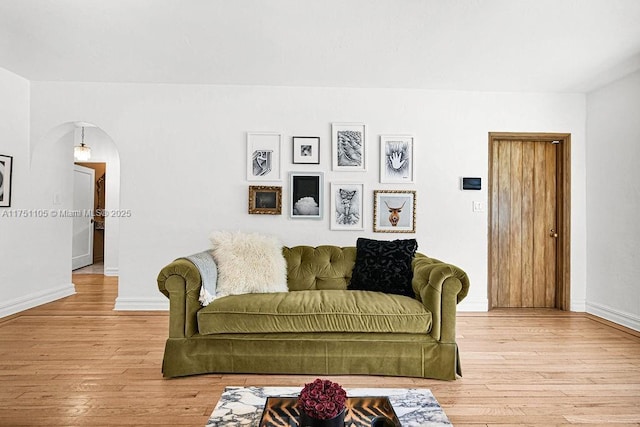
x=579, y=306
x=616, y=316
x=35, y=299
x=111, y=271
x=141, y=304
x=473, y=305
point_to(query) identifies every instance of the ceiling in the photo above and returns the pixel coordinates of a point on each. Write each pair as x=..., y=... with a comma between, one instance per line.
x=479, y=45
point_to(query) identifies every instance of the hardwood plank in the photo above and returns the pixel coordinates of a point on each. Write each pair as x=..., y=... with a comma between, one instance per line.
x=530, y=367
x=504, y=219
x=515, y=236
x=527, y=223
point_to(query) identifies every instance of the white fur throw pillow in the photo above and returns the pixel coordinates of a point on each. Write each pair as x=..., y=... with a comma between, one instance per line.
x=248, y=263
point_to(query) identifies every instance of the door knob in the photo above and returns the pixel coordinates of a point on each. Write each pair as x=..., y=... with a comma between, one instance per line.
x=553, y=233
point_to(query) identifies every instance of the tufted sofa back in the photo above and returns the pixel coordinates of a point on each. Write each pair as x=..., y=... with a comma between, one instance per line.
x=322, y=267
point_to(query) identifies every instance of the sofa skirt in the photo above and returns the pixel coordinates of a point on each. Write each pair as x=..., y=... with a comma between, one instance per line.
x=410, y=355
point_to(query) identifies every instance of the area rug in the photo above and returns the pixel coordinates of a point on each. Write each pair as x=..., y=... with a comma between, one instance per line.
x=243, y=406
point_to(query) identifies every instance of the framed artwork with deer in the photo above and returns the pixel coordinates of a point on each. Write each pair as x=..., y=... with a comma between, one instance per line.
x=394, y=211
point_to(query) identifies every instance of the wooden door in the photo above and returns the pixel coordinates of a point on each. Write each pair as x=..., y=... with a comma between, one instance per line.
x=525, y=224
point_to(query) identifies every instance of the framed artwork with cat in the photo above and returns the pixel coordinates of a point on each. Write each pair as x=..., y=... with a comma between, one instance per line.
x=347, y=206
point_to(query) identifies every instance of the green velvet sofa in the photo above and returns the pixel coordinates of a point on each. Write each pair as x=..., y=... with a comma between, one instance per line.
x=319, y=326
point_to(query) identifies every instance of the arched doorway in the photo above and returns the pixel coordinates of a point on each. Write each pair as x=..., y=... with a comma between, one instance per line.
x=52, y=164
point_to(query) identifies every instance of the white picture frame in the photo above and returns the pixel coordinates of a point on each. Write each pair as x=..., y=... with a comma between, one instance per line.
x=394, y=211
x=349, y=147
x=347, y=206
x=397, y=164
x=306, y=192
x=264, y=156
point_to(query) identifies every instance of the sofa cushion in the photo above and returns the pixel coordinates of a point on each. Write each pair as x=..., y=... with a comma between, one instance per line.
x=323, y=267
x=248, y=262
x=314, y=311
x=384, y=266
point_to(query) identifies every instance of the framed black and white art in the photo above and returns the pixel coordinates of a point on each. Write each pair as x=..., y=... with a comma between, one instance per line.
x=349, y=147
x=347, y=206
x=6, y=166
x=306, y=150
x=394, y=211
x=265, y=200
x=396, y=159
x=263, y=156
x=306, y=191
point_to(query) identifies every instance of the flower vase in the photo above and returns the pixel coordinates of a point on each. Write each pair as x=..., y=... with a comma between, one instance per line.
x=307, y=421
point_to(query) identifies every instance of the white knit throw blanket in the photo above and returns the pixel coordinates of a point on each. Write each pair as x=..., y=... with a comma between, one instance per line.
x=206, y=265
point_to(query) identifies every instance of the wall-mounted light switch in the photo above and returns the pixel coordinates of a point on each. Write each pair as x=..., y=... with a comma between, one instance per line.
x=477, y=207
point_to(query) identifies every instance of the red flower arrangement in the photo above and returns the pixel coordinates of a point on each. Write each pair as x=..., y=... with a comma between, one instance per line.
x=322, y=399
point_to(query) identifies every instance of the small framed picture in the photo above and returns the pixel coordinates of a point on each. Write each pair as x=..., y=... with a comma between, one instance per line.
x=394, y=211
x=265, y=200
x=396, y=159
x=349, y=147
x=6, y=166
x=263, y=156
x=306, y=150
x=306, y=195
x=347, y=206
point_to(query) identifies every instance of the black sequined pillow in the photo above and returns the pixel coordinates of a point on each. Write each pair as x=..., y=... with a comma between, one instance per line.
x=384, y=266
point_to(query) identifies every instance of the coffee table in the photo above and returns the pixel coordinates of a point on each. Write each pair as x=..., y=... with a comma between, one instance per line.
x=243, y=406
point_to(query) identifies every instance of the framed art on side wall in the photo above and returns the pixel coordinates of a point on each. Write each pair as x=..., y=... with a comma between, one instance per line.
x=265, y=200
x=349, y=147
x=263, y=156
x=394, y=211
x=6, y=166
x=347, y=206
x=396, y=159
x=306, y=190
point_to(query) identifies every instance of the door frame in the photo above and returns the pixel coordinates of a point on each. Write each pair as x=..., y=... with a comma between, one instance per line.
x=563, y=211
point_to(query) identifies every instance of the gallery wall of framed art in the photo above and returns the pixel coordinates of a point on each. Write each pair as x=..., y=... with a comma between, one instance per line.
x=303, y=196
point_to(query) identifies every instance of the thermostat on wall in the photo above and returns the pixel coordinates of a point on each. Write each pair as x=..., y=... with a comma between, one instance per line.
x=471, y=183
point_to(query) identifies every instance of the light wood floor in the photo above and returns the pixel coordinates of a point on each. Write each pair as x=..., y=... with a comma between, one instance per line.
x=76, y=362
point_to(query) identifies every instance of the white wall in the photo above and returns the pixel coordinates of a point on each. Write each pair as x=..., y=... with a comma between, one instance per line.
x=183, y=152
x=613, y=188
x=29, y=261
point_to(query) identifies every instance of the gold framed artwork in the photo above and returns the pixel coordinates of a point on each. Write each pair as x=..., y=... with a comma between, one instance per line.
x=394, y=211
x=265, y=200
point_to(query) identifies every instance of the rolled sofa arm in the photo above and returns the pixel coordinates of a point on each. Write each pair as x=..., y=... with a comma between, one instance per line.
x=440, y=287
x=180, y=282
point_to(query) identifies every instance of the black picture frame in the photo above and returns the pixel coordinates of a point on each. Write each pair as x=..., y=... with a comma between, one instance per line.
x=306, y=150
x=6, y=171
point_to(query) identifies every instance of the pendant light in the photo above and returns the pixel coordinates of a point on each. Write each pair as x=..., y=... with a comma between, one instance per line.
x=82, y=152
